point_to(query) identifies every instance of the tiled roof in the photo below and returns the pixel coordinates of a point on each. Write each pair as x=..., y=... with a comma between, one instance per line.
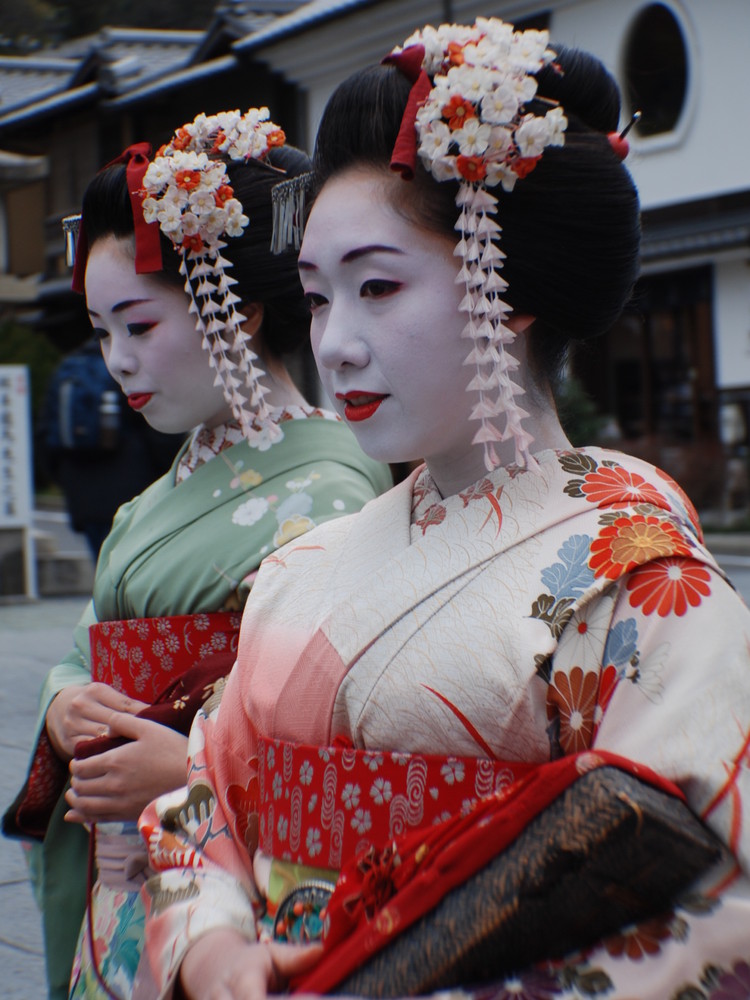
x=121, y=65
x=108, y=63
x=128, y=58
x=24, y=80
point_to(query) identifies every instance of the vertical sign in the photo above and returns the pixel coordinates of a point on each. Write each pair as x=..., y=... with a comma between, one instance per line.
x=17, y=567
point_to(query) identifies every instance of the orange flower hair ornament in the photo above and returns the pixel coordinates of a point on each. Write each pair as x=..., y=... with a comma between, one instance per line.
x=466, y=121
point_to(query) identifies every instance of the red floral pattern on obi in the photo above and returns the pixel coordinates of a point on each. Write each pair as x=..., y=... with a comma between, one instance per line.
x=142, y=656
x=321, y=806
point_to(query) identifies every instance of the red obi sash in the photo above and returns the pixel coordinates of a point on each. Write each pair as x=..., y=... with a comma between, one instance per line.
x=142, y=656
x=171, y=663
x=322, y=806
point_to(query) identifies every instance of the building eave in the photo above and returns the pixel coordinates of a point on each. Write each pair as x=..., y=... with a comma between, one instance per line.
x=179, y=78
x=701, y=228
x=18, y=169
x=65, y=100
x=309, y=16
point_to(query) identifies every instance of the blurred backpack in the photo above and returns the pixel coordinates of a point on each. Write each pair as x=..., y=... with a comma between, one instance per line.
x=82, y=407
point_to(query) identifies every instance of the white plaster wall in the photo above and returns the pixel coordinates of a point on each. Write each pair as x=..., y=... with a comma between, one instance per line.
x=732, y=323
x=710, y=150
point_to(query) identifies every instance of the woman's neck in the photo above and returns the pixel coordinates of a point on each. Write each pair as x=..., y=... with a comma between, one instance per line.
x=281, y=389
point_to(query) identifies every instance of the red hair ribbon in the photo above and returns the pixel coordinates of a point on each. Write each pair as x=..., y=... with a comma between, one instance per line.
x=409, y=62
x=147, y=243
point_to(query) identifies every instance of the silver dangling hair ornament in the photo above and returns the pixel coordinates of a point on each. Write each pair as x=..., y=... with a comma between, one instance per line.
x=70, y=226
x=288, y=200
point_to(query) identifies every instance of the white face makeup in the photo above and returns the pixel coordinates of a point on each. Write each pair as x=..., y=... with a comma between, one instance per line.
x=149, y=342
x=386, y=330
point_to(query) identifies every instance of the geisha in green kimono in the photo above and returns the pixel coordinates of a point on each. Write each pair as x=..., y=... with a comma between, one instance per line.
x=195, y=314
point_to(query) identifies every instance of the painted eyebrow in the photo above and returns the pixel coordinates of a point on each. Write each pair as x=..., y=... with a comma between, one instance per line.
x=121, y=306
x=355, y=254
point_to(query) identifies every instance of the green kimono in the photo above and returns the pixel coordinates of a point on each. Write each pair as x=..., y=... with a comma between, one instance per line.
x=185, y=549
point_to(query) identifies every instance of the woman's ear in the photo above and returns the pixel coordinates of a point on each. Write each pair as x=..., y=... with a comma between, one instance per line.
x=253, y=313
x=520, y=322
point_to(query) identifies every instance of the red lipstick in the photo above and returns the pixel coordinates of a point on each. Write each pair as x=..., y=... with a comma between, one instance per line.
x=137, y=400
x=360, y=405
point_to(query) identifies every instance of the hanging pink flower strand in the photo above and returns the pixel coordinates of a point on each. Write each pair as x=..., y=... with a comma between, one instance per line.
x=472, y=127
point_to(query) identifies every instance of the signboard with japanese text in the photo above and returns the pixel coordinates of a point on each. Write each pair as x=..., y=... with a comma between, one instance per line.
x=17, y=568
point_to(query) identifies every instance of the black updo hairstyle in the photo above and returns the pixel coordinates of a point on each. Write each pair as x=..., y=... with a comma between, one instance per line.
x=570, y=229
x=271, y=279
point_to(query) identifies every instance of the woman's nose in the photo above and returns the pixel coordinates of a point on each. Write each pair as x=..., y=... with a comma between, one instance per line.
x=119, y=357
x=338, y=340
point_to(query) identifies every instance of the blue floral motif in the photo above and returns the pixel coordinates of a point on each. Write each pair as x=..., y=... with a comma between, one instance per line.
x=572, y=576
x=622, y=644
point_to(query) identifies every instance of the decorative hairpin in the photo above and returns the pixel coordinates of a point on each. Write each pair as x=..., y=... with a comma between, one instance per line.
x=617, y=140
x=71, y=224
x=288, y=199
x=466, y=120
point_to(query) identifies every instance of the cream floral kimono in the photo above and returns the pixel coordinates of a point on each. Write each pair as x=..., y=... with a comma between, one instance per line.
x=535, y=614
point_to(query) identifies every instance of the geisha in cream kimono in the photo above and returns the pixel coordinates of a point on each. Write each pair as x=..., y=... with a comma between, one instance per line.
x=533, y=615
x=190, y=543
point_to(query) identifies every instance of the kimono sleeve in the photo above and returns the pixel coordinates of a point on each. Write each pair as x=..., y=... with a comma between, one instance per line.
x=657, y=669
x=678, y=690
x=29, y=815
x=200, y=844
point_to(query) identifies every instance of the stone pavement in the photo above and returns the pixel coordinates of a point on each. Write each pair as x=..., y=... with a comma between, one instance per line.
x=32, y=637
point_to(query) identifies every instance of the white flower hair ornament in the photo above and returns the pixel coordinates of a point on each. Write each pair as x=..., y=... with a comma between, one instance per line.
x=186, y=190
x=466, y=121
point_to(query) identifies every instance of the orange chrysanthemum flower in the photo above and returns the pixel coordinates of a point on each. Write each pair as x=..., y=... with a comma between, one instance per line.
x=617, y=487
x=221, y=137
x=194, y=243
x=455, y=53
x=181, y=139
x=607, y=684
x=523, y=166
x=669, y=586
x=276, y=138
x=457, y=112
x=187, y=179
x=473, y=168
x=632, y=541
x=636, y=943
x=573, y=698
x=223, y=194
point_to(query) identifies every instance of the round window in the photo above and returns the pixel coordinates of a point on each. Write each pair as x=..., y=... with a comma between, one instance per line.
x=656, y=69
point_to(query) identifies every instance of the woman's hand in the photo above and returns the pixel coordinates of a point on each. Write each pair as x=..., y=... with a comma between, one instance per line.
x=223, y=965
x=119, y=783
x=81, y=712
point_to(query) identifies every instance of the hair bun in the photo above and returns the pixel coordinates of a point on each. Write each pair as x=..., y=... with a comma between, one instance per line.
x=584, y=87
